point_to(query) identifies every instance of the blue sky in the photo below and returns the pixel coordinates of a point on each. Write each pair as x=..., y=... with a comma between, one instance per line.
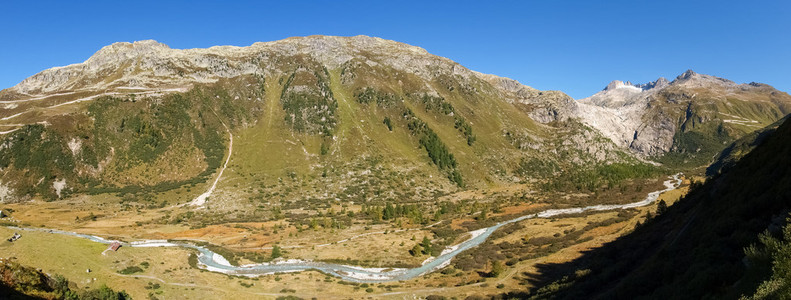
x=573, y=46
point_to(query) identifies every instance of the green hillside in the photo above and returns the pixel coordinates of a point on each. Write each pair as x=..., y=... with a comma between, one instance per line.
x=18, y=282
x=707, y=120
x=741, y=147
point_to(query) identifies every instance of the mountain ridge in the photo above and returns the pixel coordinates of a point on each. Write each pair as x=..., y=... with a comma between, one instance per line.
x=148, y=65
x=116, y=53
x=319, y=91
x=650, y=118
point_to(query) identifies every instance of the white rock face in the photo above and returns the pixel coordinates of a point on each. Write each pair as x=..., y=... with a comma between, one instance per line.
x=75, y=145
x=6, y=193
x=617, y=111
x=621, y=111
x=59, y=185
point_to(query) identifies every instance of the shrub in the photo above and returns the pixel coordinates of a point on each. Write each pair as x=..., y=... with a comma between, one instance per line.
x=276, y=252
x=131, y=270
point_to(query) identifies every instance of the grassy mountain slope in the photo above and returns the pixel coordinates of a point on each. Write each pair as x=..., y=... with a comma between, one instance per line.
x=22, y=282
x=711, y=118
x=741, y=147
x=122, y=143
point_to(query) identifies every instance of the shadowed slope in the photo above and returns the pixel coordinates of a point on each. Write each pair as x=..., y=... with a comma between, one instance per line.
x=695, y=249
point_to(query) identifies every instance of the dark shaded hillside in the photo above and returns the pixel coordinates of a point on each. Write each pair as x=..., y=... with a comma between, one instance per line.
x=23, y=282
x=696, y=248
x=738, y=149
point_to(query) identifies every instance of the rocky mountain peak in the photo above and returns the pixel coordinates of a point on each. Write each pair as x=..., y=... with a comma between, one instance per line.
x=758, y=84
x=117, y=52
x=659, y=83
x=616, y=84
x=690, y=79
x=688, y=74
x=141, y=46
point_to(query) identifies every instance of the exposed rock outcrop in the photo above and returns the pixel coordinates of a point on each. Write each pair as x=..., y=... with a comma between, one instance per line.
x=544, y=106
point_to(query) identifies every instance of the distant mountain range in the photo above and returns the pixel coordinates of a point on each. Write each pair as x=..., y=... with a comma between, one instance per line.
x=335, y=112
x=694, y=115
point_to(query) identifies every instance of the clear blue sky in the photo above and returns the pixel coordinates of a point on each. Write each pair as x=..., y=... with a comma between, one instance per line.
x=573, y=46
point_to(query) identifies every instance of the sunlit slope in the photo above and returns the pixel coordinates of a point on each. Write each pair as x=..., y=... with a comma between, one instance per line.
x=315, y=119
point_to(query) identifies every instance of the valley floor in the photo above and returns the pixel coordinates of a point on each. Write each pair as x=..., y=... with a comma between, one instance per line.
x=166, y=273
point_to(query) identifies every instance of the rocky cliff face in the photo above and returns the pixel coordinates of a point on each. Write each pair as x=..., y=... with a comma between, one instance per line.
x=692, y=114
x=617, y=111
x=544, y=106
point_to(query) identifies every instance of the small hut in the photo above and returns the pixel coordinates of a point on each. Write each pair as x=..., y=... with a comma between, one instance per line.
x=114, y=246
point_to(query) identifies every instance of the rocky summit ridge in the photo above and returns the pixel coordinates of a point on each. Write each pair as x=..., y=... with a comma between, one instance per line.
x=151, y=63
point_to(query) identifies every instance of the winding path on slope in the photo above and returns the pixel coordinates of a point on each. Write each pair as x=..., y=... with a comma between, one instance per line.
x=201, y=199
x=217, y=263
